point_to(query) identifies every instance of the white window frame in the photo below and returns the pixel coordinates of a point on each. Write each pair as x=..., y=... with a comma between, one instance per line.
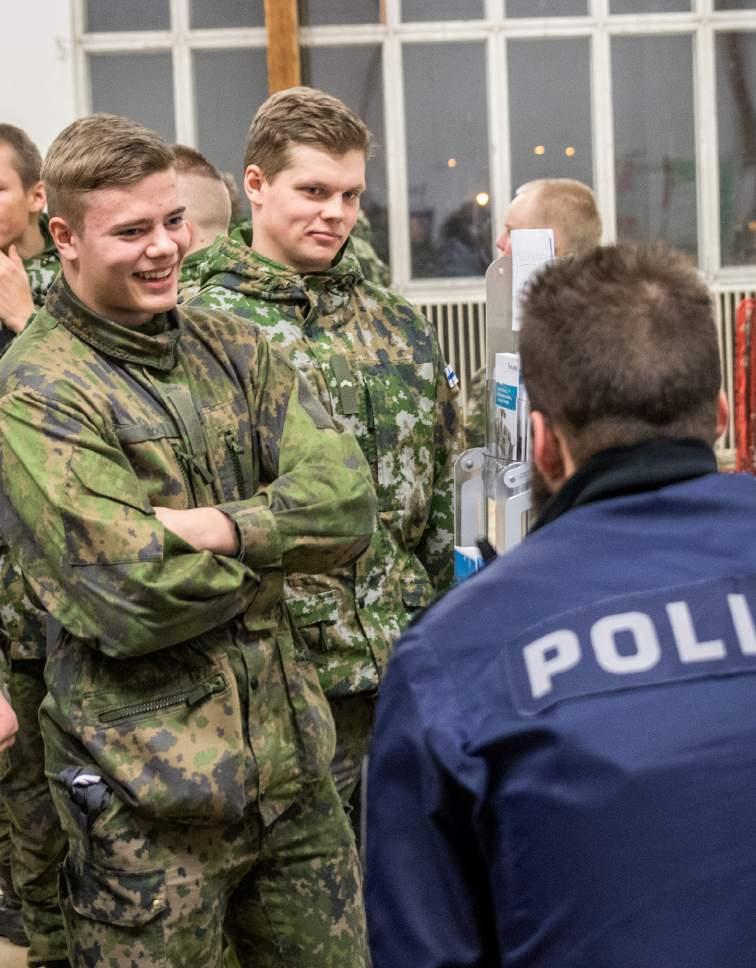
x=702, y=23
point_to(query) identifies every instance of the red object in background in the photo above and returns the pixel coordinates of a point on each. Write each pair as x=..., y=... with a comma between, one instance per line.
x=745, y=386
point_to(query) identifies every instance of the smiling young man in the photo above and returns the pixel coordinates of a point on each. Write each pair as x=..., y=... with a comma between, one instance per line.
x=373, y=360
x=160, y=470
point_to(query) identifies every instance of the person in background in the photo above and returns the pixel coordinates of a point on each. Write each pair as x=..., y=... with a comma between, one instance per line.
x=569, y=208
x=203, y=191
x=32, y=842
x=564, y=761
x=28, y=258
x=373, y=361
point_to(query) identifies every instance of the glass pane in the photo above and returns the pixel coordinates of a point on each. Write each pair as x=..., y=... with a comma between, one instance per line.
x=355, y=74
x=735, y=4
x=134, y=15
x=648, y=6
x=654, y=140
x=550, y=110
x=736, y=120
x=313, y=13
x=447, y=159
x=442, y=9
x=227, y=13
x=546, y=8
x=138, y=86
x=223, y=117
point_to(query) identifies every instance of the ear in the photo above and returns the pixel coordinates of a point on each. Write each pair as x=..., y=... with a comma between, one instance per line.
x=37, y=199
x=64, y=238
x=723, y=413
x=253, y=183
x=550, y=452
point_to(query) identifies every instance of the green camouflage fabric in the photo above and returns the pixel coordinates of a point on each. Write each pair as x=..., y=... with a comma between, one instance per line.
x=190, y=275
x=33, y=838
x=475, y=410
x=44, y=267
x=284, y=896
x=373, y=267
x=218, y=715
x=37, y=843
x=374, y=362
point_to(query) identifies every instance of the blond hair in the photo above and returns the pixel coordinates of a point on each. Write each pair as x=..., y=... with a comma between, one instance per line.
x=302, y=115
x=99, y=151
x=569, y=207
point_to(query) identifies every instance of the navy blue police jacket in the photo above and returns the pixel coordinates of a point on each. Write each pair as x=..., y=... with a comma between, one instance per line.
x=563, y=770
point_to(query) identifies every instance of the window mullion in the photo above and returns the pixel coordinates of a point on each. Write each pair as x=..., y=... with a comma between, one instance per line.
x=183, y=93
x=396, y=152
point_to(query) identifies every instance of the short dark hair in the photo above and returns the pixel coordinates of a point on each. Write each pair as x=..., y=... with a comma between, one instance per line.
x=191, y=161
x=302, y=115
x=619, y=345
x=99, y=151
x=27, y=160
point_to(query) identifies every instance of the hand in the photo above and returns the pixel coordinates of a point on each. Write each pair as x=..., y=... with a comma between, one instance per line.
x=16, y=304
x=8, y=724
x=206, y=529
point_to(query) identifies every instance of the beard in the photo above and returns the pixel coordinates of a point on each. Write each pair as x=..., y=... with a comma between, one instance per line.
x=540, y=493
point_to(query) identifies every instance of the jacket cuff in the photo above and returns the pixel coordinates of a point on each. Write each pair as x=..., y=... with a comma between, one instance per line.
x=257, y=531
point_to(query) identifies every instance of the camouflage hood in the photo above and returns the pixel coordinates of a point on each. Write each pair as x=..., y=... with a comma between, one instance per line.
x=232, y=264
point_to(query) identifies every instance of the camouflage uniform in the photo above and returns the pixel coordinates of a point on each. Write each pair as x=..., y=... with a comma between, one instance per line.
x=187, y=739
x=30, y=826
x=475, y=410
x=374, y=361
x=373, y=267
x=41, y=270
x=190, y=275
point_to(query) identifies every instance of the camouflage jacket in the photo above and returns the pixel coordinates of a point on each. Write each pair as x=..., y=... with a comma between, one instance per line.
x=23, y=624
x=43, y=267
x=176, y=675
x=475, y=410
x=189, y=278
x=373, y=360
x=374, y=269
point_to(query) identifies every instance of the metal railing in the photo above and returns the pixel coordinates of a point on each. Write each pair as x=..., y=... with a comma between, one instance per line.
x=461, y=328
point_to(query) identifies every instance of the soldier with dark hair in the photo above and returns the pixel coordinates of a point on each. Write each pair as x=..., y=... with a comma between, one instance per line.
x=28, y=259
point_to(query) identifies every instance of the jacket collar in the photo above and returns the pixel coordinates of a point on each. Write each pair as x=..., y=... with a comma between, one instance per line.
x=620, y=471
x=246, y=271
x=132, y=345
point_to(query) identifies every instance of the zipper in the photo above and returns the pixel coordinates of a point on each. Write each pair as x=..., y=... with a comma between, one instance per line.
x=234, y=450
x=189, y=697
x=182, y=460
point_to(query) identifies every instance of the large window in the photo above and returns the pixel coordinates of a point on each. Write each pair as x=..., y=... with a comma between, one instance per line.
x=651, y=102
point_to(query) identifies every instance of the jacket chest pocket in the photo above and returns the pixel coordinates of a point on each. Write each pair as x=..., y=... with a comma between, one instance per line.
x=400, y=424
x=152, y=449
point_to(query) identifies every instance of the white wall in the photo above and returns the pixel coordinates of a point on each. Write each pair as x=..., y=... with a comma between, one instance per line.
x=37, y=87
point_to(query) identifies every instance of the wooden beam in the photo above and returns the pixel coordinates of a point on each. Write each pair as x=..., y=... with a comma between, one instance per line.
x=282, y=22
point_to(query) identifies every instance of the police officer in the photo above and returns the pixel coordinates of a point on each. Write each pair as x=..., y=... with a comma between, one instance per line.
x=564, y=761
